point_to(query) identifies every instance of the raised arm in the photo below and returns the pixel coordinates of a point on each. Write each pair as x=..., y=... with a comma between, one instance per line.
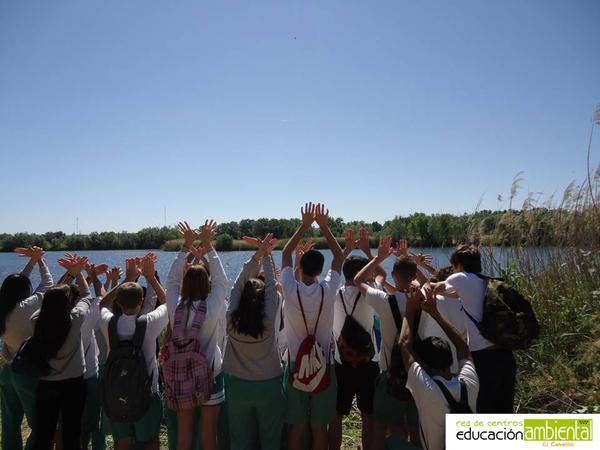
x=249, y=270
x=429, y=305
x=366, y=273
x=149, y=272
x=270, y=279
x=308, y=217
x=406, y=334
x=36, y=256
x=132, y=272
x=365, y=246
x=218, y=278
x=92, y=272
x=322, y=219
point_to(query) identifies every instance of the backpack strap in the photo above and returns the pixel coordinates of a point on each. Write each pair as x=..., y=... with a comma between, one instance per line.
x=395, y=311
x=464, y=396
x=462, y=307
x=355, y=303
x=140, y=331
x=452, y=403
x=302, y=310
x=353, y=306
x=113, y=337
x=199, y=318
x=486, y=277
x=344, y=302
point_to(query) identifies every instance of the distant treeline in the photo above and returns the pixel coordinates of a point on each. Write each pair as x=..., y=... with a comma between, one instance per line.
x=536, y=226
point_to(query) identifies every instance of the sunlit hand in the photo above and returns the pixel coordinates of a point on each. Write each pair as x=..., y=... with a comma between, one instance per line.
x=189, y=234
x=385, y=248
x=308, y=214
x=321, y=215
x=401, y=248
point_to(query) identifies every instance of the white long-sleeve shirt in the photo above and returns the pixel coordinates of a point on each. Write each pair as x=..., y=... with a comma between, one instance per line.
x=213, y=330
x=18, y=323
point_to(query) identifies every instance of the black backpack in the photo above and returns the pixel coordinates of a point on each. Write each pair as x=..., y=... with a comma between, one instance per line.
x=126, y=389
x=29, y=360
x=456, y=407
x=396, y=372
x=508, y=319
x=354, y=343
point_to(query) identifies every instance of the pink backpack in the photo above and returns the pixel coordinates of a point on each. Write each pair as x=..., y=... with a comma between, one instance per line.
x=186, y=373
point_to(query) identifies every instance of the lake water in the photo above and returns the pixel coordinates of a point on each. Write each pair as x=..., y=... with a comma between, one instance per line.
x=232, y=261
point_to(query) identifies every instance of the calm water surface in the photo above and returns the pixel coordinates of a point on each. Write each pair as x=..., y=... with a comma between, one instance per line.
x=232, y=261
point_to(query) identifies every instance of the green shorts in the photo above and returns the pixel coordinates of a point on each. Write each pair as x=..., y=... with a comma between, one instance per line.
x=388, y=409
x=306, y=407
x=145, y=429
x=90, y=421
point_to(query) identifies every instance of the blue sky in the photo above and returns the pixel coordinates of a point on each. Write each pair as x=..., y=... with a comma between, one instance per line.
x=112, y=110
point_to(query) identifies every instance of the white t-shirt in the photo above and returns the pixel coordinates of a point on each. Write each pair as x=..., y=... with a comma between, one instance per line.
x=450, y=309
x=378, y=299
x=157, y=321
x=295, y=331
x=88, y=339
x=212, y=333
x=471, y=290
x=432, y=404
x=363, y=314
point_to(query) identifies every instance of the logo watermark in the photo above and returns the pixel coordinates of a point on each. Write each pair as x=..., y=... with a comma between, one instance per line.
x=517, y=431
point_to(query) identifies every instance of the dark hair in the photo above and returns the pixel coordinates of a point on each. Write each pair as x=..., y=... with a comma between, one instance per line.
x=405, y=268
x=15, y=288
x=311, y=263
x=249, y=317
x=54, y=321
x=468, y=256
x=435, y=353
x=129, y=295
x=442, y=274
x=195, y=285
x=353, y=265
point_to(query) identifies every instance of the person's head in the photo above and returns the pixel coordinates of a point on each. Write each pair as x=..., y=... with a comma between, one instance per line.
x=311, y=263
x=249, y=317
x=15, y=288
x=466, y=258
x=130, y=296
x=442, y=274
x=352, y=266
x=196, y=284
x=54, y=320
x=404, y=272
x=435, y=355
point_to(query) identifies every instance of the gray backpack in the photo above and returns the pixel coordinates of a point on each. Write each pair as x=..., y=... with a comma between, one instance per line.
x=126, y=389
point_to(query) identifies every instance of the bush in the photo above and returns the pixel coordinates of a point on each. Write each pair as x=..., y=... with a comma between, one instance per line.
x=224, y=242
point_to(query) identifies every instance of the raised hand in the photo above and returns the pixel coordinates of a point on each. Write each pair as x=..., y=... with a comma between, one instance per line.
x=350, y=242
x=308, y=214
x=189, y=234
x=253, y=241
x=321, y=215
x=79, y=263
x=266, y=245
x=401, y=248
x=132, y=269
x=114, y=274
x=429, y=302
x=414, y=299
x=421, y=259
x=363, y=241
x=208, y=233
x=33, y=252
x=148, y=264
x=385, y=248
x=198, y=252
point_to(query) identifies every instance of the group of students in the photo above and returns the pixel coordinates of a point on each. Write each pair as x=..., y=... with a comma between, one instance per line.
x=284, y=346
